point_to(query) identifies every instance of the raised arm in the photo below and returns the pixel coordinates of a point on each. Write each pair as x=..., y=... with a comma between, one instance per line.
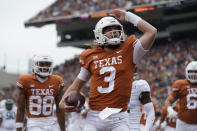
x=149, y=35
x=20, y=110
x=149, y=32
x=144, y=43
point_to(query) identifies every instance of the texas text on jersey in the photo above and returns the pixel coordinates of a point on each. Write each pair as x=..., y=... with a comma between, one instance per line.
x=187, y=93
x=40, y=96
x=106, y=68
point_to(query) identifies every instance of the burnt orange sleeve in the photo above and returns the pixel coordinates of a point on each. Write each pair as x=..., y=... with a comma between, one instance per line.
x=21, y=82
x=130, y=41
x=83, y=60
x=61, y=81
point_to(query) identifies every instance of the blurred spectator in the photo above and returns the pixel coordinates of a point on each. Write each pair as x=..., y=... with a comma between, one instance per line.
x=81, y=7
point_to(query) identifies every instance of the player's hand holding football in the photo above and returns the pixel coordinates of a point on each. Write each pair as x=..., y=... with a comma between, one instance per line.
x=63, y=105
x=73, y=102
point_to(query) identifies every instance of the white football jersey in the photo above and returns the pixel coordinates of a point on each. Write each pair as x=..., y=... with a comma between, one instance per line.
x=138, y=86
x=9, y=118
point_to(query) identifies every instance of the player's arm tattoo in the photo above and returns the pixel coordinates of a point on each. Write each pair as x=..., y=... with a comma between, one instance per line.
x=20, y=107
x=60, y=113
x=145, y=97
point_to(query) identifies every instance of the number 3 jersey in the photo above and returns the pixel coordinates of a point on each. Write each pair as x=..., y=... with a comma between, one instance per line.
x=111, y=75
x=187, y=94
x=40, y=96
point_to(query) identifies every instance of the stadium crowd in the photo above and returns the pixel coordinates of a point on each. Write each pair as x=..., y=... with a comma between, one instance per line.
x=160, y=67
x=82, y=7
x=166, y=63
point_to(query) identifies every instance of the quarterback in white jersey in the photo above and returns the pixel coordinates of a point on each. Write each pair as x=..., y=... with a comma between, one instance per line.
x=8, y=116
x=140, y=94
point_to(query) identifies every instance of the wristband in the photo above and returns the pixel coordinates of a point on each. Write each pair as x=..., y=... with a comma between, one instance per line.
x=130, y=17
x=19, y=125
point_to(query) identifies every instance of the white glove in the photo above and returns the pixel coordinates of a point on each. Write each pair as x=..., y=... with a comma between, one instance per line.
x=171, y=112
x=157, y=123
x=163, y=125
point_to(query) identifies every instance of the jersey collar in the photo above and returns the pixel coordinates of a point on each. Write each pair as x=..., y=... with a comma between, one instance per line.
x=41, y=80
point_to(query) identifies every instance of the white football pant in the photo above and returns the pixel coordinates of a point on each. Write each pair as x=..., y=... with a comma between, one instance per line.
x=143, y=126
x=169, y=128
x=115, y=122
x=182, y=126
x=4, y=129
x=53, y=127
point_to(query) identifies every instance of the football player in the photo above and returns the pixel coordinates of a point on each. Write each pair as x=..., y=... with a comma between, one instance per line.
x=111, y=66
x=186, y=91
x=140, y=94
x=37, y=94
x=8, y=116
x=145, y=119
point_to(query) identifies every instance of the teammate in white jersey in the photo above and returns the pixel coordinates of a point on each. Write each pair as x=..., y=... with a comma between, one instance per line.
x=140, y=94
x=8, y=116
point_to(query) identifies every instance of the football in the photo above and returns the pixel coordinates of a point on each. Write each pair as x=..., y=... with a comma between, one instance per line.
x=75, y=98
